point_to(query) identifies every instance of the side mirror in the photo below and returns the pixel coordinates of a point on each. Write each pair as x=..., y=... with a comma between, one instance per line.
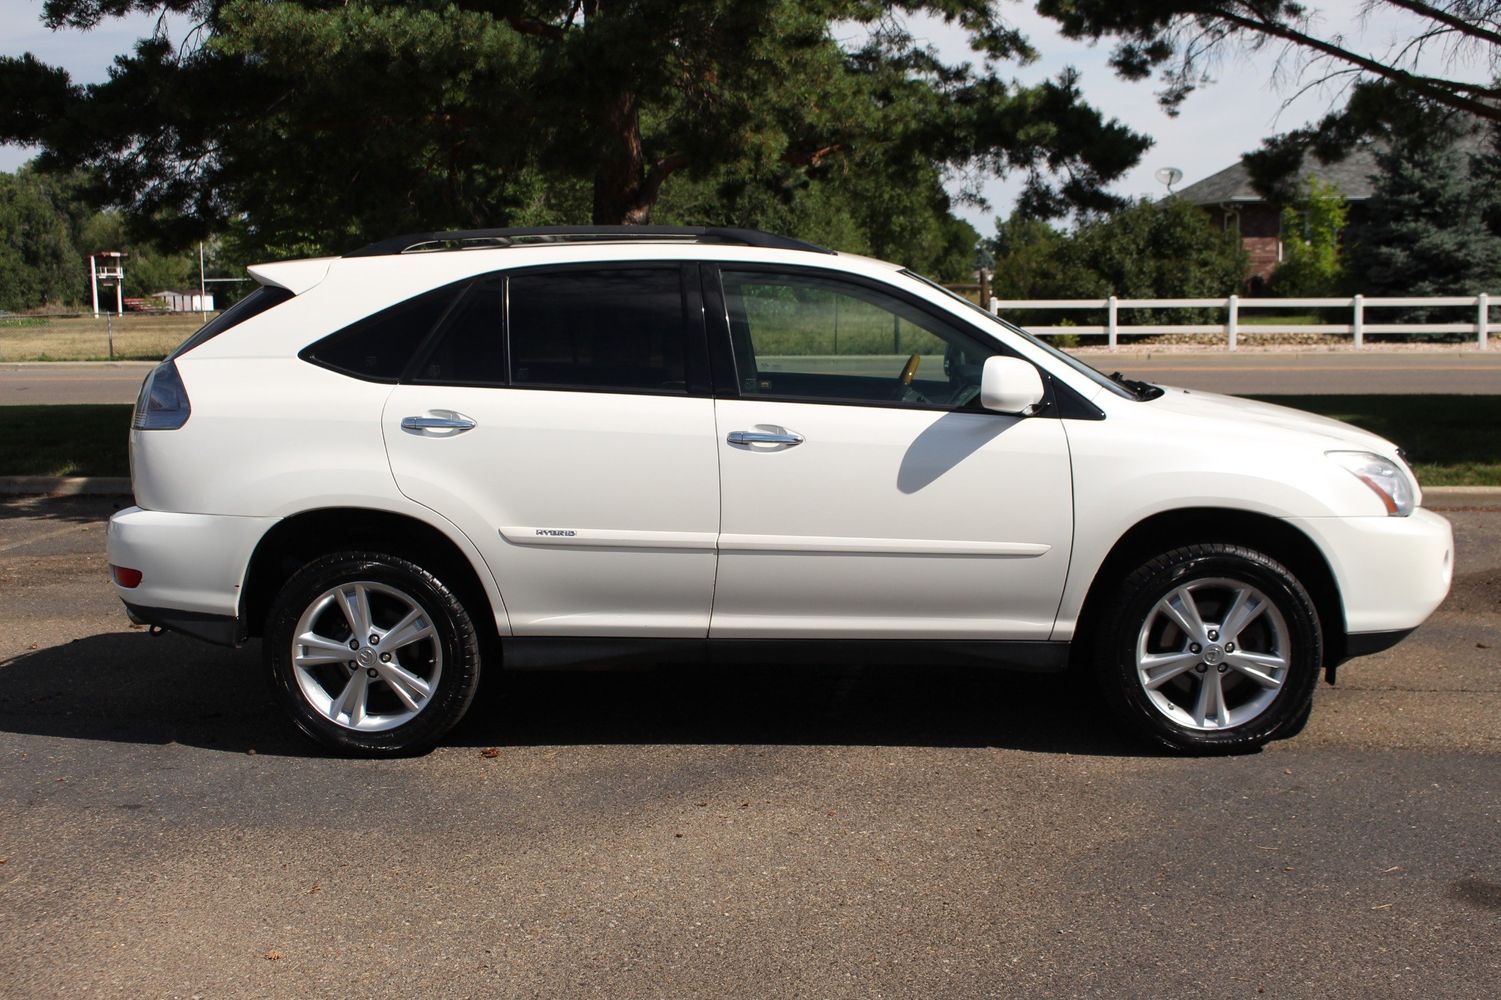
x=1010, y=385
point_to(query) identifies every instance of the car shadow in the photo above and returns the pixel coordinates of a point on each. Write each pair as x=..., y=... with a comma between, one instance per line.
x=129, y=687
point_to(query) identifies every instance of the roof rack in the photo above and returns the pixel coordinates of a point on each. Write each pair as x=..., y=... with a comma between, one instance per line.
x=482, y=239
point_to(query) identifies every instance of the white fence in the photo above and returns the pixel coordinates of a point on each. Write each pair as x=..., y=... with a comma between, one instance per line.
x=1481, y=327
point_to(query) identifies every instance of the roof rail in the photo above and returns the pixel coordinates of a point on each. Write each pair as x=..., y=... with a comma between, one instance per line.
x=480, y=239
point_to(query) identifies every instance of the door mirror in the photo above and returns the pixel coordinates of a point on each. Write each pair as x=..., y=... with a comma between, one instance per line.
x=1010, y=385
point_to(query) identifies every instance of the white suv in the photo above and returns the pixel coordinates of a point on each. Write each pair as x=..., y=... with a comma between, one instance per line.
x=547, y=447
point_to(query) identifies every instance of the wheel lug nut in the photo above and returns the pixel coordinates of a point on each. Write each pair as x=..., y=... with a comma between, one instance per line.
x=371, y=672
x=351, y=665
x=354, y=644
x=1202, y=667
x=385, y=657
x=374, y=639
x=1229, y=647
x=1194, y=647
x=1222, y=667
x=1213, y=635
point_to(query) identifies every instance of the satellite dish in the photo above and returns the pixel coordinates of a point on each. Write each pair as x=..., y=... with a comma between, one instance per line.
x=1169, y=176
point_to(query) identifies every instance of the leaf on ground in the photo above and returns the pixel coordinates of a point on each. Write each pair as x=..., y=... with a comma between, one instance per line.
x=490, y=753
x=273, y=955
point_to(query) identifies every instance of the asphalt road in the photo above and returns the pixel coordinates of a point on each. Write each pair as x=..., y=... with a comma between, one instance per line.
x=97, y=382
x=1245, y=372
x=763, y=833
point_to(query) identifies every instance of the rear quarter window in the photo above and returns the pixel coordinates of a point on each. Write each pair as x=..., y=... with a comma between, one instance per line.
x=379, y=347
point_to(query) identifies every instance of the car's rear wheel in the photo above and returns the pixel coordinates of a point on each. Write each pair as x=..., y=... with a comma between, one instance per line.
x=371, y=653
x=1210, y=648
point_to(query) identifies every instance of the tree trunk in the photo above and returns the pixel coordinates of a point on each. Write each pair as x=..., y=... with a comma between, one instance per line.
x=620, y=195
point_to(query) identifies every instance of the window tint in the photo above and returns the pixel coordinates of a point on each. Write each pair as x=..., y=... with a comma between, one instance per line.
x=810, y=337
x=257, y=302
x=378, y=347
x=471, y=346
x=614, y=328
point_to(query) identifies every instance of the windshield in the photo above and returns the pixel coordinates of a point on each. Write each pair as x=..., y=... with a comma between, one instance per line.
x=1090, y=373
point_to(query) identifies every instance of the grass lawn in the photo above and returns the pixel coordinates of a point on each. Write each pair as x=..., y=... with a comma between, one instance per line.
x=1451, y=440
x=84, y=338
x=78, y=440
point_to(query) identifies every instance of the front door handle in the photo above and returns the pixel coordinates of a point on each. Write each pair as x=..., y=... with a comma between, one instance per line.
x=788, y=438
x=439, y=420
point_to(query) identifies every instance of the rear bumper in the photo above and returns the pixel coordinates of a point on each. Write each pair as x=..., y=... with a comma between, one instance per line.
x=220, y=629
x=192, y=568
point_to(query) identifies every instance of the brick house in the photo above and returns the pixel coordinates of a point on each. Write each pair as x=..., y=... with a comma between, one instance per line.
x=1234, y=204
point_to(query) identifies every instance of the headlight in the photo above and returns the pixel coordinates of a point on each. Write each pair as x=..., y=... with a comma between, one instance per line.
x=1385, y=478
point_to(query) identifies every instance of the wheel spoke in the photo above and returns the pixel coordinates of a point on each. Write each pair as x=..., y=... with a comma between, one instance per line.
x=351, y=700
x=1160, y=668
x=1257, y=666
x=413, y=628
x=1210, y=708
x=355, y=603
x=411, y=689
x=1245, y=609
x=1184, y=611
x=315, y=650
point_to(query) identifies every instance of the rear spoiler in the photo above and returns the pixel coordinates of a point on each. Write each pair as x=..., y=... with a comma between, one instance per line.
x=296, y=276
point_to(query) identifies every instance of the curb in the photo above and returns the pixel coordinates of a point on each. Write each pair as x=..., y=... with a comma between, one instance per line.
x=15, y=366
x=65, y=486
x=1462, y=497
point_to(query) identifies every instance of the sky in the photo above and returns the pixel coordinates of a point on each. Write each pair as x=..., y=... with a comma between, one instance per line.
x=1253, y=94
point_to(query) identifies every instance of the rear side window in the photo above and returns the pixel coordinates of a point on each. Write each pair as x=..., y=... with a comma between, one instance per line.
x=257, y=302
x=379, y=347
x=610, y=328
x=470, y=349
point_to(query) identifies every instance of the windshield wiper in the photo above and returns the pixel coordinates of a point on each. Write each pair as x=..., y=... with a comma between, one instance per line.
x=1143, y=390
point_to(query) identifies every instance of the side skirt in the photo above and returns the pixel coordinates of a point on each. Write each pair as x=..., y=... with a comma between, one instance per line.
x=611, y=653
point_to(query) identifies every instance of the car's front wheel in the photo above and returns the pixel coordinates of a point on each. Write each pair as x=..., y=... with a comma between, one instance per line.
x=371, y=653
x=1210, y=648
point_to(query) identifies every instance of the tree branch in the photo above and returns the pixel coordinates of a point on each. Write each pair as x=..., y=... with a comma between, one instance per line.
x=1459, y=24
x=1444, y=91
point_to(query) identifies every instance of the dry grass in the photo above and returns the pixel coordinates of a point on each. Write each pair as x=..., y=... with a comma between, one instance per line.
x=84, y=338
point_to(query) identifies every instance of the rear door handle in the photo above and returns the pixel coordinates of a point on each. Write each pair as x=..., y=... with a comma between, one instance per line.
x=788, y=438
x=444, y=420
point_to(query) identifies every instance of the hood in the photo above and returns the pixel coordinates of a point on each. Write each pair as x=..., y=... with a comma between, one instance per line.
x=1248, y=413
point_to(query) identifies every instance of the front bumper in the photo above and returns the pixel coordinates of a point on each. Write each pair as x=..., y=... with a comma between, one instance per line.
x=192, y=568
x=1392, y=572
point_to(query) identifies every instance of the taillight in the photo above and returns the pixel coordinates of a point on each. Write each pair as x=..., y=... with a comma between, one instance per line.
x=163, y=403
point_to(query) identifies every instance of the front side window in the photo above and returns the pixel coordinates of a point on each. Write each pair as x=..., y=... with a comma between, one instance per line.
x=622, y=329
x=804, y=336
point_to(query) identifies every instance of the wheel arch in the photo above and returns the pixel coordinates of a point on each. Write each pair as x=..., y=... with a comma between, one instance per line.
x=1185, y=526
x=296, y=540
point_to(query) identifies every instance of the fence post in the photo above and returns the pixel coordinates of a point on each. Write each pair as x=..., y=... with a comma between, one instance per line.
x=1483, y=320
x=1232, y=327
x=1110, y=323
x=1357, y=324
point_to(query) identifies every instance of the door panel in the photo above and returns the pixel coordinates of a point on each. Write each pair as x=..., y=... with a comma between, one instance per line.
x=885, y=502
x=891, y=522
x=596, y=512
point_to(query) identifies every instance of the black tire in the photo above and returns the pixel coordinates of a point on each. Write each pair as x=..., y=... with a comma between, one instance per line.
x=1207, y=704
x=408, y=716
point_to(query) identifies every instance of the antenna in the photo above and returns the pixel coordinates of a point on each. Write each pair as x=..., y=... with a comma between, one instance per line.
x=1169, y=176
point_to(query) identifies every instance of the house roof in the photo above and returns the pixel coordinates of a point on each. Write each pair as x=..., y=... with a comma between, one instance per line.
x=1352, y=175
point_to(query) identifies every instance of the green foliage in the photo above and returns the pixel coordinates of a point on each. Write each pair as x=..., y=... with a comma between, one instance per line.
x=1150, y=249
x=1426, y=230
x=1312, y=264
x=37, y=261
x=311, y=126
